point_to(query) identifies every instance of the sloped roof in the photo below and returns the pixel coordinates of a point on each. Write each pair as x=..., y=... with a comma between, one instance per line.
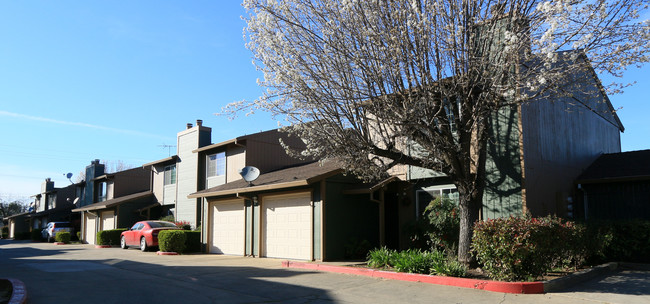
x=170, y=159
x=624, y=166
x=50, y=211
x=302, y=175
x=115, y=201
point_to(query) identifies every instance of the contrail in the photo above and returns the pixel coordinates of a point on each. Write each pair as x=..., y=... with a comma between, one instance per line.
x=80, y=124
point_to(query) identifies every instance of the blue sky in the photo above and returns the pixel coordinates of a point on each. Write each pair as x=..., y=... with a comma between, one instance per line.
x=116, y=80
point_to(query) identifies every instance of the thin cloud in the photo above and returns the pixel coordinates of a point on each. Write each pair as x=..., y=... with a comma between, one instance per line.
x=80, y=124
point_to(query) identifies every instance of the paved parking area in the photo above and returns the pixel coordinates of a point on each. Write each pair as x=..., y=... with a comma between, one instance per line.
x=84, y=274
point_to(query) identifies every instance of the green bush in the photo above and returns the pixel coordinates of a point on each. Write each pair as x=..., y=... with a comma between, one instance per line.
x=63, y=237
x=109, y=237
x=36, y=235
x=438, y=228
x=192, y=241
x=416, y=261
x=356, y=249
x=619, y=241
x=380, y=258
x=167, y=218
x=515, y=249
x=172, y=240
x=5, y=232
x=79, y=235
x=26, y=235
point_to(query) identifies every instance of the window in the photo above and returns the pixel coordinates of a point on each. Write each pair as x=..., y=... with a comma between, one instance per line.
x=425, y=196
x=170, y=175
x=101, y=192
x=51, y=201
x=216, y=165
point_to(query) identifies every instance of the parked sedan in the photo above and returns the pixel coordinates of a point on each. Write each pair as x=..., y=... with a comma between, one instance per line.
x=145, y=234
x=52, y=228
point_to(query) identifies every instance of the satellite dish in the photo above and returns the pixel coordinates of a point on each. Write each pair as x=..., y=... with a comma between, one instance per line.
x=249, y=173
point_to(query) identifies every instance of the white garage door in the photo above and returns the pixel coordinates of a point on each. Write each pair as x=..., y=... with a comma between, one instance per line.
x=287, y=226
x=108, y=220
x=89, y=225
x=227, y=227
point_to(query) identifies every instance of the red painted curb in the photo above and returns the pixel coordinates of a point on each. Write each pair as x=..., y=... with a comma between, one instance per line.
x=497, y=286
x=59, y=243
x=19, y=293
x=166, y=253
x=103, y=246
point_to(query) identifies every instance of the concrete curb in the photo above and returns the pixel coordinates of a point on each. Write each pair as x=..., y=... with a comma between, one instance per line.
x=578, y=277
x=19, y=292
x=496, y=286
x=166, y=253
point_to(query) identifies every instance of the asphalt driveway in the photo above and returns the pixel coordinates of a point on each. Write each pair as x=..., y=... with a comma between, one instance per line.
x=84, y=274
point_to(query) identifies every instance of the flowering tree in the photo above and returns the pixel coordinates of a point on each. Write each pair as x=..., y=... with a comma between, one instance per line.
x=380, y=83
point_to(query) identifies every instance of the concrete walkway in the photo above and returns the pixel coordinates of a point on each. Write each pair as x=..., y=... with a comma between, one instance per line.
x=84, y=274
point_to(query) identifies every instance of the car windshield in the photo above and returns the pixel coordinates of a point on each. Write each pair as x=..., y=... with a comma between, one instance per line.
x=61, y=225
x=161, y=224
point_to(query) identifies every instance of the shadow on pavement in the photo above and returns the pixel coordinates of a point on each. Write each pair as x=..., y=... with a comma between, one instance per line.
x=622, y=281
x=56, y=280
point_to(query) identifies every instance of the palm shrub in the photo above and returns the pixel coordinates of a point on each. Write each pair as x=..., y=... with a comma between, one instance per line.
x=63, y=237
x=416, y=261
x=172, y=240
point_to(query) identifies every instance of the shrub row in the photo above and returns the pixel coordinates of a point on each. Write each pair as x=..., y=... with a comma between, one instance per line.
x=181, y=241
x=63, y=237
x=438, y=228
x=36, y=235
x=416, y=261
x=109, y=237
x=622, y=241
x=526, y=248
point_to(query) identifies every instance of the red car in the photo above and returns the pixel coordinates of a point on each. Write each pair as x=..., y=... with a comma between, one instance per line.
x=145, y=234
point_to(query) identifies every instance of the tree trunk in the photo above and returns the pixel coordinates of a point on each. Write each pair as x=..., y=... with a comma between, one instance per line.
x=471, y=200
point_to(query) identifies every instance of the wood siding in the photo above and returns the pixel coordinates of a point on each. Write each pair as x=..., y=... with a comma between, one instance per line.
x=187, y=172
x=561, y=137
x=502, y=196
x=620, y=201
x=263, y=150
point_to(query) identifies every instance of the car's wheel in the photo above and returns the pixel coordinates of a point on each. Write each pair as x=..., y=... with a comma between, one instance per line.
x=143, y=244
x=123, y=243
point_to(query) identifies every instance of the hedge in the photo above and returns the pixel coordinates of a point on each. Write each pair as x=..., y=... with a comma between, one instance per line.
x=63, y=237
x=516, y=249
x=621, y=241
x=172, y=241
x=109, y=237
x=36, y=235
x=192, y=241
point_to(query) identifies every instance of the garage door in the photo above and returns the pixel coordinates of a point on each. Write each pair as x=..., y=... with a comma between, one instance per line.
x=108, y=220
x=227, y=227
x=287, y=226
x=89, y=224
